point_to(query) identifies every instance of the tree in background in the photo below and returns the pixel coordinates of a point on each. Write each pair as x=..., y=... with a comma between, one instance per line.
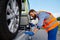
x=58, y=18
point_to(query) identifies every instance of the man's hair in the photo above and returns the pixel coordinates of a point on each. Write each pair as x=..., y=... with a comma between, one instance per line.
x=32, y=10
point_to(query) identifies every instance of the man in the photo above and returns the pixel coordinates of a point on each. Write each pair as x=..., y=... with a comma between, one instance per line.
x=47, y=21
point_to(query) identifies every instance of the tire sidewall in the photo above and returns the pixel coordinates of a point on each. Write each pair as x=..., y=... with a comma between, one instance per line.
x=5, y=33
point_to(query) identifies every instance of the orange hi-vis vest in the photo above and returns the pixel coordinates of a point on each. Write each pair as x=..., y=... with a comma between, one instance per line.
x=50, y=23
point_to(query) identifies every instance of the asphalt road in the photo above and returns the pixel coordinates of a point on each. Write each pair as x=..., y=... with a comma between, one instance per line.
x=40, y=35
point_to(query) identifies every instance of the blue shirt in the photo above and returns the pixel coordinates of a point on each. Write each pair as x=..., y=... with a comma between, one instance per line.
x=42, y=16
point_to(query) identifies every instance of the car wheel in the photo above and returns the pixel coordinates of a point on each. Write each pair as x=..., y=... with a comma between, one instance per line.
x=9, y=18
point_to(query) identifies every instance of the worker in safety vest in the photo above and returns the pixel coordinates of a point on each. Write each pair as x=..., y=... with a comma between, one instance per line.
x=47, y=21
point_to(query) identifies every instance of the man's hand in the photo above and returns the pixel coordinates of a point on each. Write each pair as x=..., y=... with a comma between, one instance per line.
x=29, y=33
x=35, y=30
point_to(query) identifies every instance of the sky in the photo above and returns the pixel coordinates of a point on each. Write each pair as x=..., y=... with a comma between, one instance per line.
x=49, y=5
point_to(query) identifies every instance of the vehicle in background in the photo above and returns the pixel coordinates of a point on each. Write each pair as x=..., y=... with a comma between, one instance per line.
x=24, y=24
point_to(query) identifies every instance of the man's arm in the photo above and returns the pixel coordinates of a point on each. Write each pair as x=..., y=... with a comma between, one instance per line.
x=41, y=20
x=42, y=16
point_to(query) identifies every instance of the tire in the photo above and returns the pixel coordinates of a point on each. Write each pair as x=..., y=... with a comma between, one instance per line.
x=5, y=33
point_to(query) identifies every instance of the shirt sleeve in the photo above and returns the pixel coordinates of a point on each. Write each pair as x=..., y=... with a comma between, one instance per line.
x=42, y=16
x=40, y=22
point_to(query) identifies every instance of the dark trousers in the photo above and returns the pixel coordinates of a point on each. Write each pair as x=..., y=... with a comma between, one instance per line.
x=52, y=34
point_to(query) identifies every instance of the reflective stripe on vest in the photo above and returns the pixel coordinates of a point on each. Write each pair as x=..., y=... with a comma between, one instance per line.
x=50, y=23
x=52, y=27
